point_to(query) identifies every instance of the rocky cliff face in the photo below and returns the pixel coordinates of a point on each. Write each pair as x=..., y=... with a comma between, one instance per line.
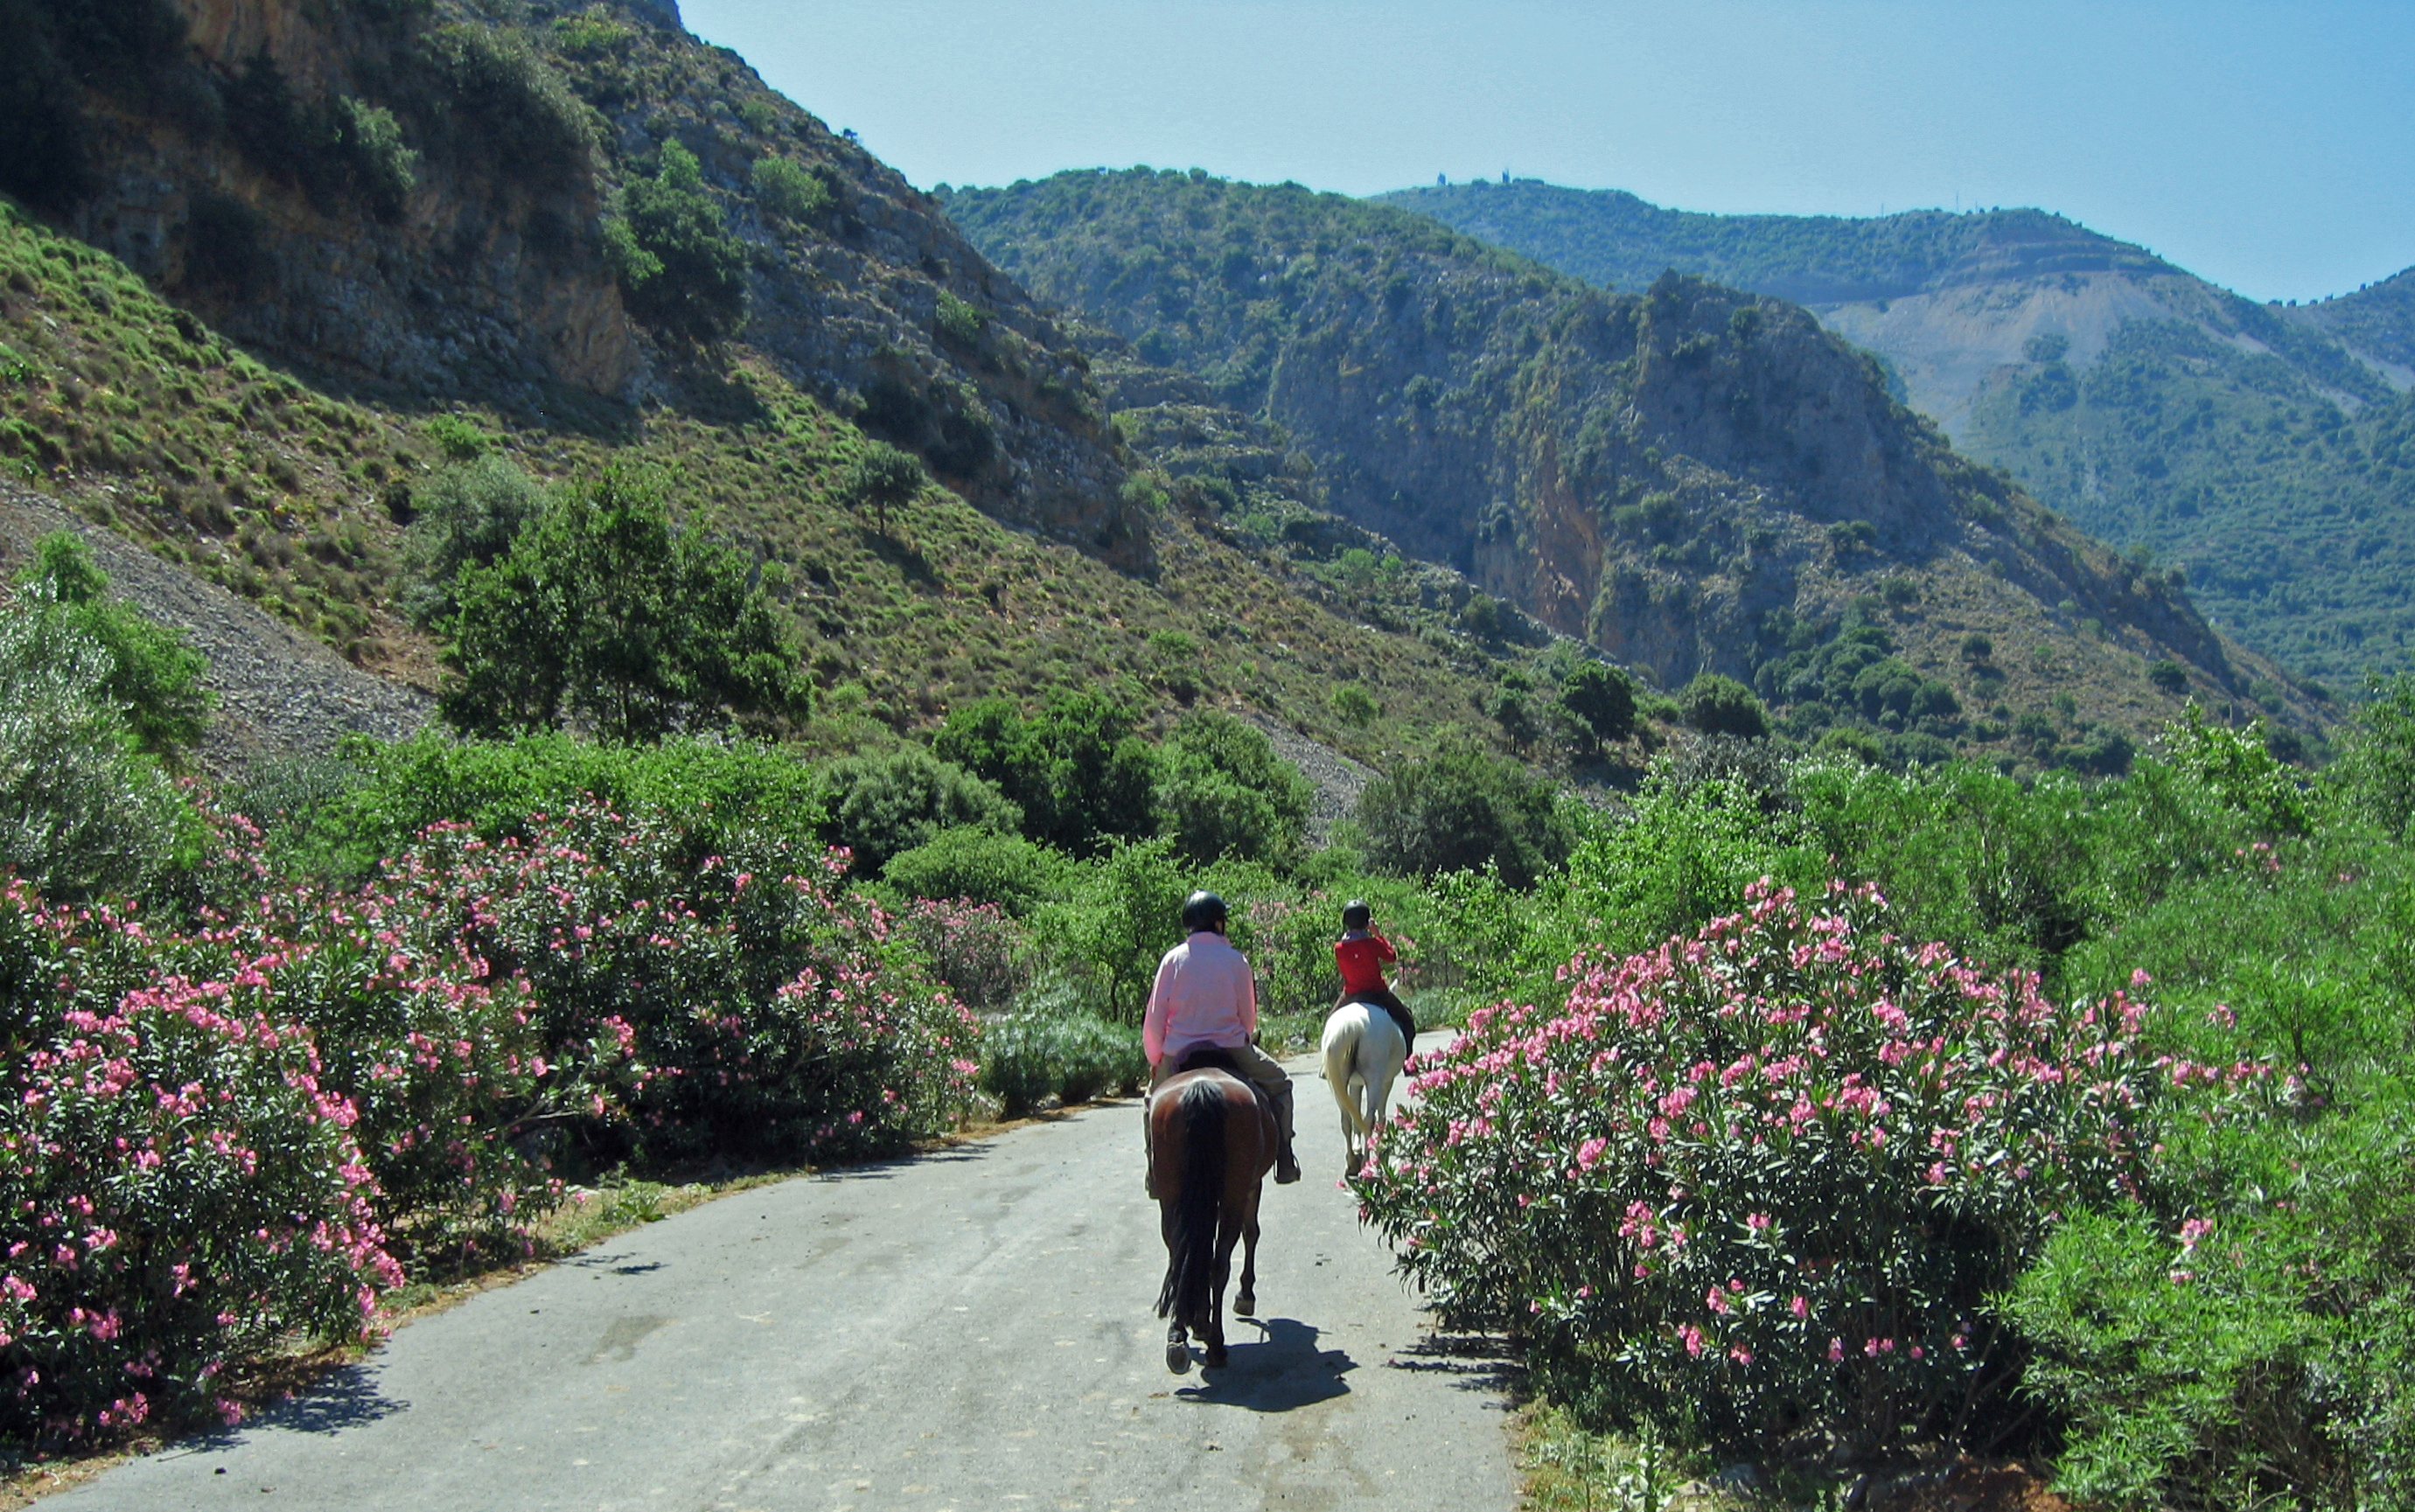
x=414, y=198
x=1667, y=476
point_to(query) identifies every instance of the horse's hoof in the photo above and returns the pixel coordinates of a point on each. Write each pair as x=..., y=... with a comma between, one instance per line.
x=1246, y=1304
x=1177, y=1358
x=1216, y=1356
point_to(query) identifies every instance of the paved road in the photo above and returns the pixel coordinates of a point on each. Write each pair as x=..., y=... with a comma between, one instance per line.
x=968, y=1329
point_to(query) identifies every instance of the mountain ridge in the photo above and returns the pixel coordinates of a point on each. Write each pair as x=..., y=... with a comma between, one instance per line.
x=2125, y=392
x=1660, y=474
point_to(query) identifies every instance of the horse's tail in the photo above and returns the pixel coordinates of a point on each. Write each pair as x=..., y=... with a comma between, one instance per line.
x=1190, y=1267
x=1344, y=1036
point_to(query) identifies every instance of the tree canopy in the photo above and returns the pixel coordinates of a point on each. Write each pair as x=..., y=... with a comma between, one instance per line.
x=606, y=614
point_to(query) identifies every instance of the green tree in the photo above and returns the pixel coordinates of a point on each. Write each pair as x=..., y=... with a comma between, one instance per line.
x=154, y=676
x=1223, y=791
x=1461, y=810
x=881, y=805
x=1124, y=911
x=882, y=478
x=1718, y=704
x=1602, y=698
x=681, y=270
x=605, y=614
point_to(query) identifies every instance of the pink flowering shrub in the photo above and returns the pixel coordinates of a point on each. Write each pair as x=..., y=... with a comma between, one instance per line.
x=1766, y=1179
x=977, y=949
x=750, y=1007
x=218, y=1134
x=181, y=1184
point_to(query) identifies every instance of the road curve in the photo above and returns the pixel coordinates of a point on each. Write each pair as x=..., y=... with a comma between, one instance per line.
x=967, y=1330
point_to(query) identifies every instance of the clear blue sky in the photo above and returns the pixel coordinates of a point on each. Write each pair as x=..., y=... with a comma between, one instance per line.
x=2267, y=145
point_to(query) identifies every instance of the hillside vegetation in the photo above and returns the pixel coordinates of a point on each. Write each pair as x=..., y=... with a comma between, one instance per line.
x=2252, y=447
x=1027, y=554
x=1693, y=480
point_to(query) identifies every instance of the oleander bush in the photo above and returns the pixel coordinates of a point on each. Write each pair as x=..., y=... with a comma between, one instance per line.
x=184, y=1186
x=977, y=949
x=768, y=1014
x=1763, y=1182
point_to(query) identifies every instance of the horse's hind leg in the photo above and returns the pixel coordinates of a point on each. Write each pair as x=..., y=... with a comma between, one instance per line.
x=1212, y=1329
x=1178, y=1349
x=1246, y=1304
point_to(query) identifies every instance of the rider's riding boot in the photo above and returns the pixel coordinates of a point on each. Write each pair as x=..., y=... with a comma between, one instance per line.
x=1286, y=1164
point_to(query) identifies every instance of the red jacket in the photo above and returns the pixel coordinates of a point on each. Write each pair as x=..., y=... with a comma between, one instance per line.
x=1362, y=961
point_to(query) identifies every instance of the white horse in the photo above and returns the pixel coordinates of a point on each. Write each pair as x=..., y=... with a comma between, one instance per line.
x=1363, y=1054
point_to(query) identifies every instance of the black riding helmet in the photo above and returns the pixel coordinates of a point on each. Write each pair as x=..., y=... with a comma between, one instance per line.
x=1356, y=915
x=1204, y=910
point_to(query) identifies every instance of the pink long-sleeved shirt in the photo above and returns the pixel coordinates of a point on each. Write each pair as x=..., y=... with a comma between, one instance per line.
x=1204, y=995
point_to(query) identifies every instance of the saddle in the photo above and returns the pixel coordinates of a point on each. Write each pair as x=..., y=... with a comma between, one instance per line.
x=1210, y=1058
x=1216, y=1057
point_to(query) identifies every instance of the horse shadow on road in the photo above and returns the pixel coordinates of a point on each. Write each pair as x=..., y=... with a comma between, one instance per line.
x=1282, y=1371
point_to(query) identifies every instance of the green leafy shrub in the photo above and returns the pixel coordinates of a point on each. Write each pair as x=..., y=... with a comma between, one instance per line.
x=788, y=190
x=382, y=168
x=960, y=323
x=1773, y=1173
x=1462, y=810
x=2244, y=1337
x=459, y=438
x=881, y=805
x=81, y=812
x=490, y=81
x=681, y=271
x=155, y=675
x=343, y=817
x=1082, y=778
x=465, y=514
x=983, y=866
x=1069, y=1056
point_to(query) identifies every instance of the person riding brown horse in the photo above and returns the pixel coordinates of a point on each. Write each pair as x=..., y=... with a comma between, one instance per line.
x=1211, y=1138
x=1205, y=998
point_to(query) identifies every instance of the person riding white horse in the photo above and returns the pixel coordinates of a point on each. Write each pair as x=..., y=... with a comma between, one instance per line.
x=1368, y=1036
x=1206, y=998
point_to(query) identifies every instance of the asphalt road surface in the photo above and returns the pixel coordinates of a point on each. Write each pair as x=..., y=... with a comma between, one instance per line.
x=973, y=1329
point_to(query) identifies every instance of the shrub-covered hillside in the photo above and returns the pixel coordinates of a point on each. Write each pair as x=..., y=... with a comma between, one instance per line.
x=1693, y=480
x=2249, y=445
x=784, y=307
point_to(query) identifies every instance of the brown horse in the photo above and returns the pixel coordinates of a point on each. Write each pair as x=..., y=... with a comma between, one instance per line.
x=1212, y=1143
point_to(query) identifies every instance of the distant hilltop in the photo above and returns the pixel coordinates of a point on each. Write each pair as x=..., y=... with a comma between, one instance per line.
x=2261, y=448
